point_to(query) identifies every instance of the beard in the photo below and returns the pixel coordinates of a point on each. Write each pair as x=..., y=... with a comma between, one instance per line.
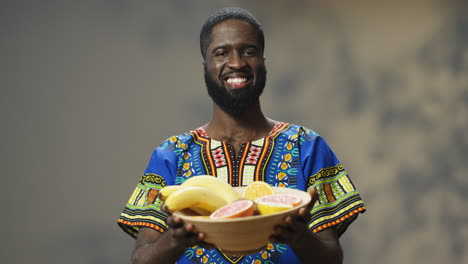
x=236, y=101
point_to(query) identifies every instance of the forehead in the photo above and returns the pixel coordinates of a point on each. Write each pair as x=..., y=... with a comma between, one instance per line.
x=231, y=32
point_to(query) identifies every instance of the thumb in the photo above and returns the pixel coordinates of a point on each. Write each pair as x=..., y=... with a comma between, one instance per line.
x=314, y=197
x=314, y=194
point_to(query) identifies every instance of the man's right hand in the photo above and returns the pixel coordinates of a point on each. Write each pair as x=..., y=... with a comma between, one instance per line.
x=183, y=234
x=155, y=247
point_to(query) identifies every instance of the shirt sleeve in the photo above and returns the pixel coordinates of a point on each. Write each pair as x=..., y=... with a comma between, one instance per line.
x=339, y=202
x=143, y=208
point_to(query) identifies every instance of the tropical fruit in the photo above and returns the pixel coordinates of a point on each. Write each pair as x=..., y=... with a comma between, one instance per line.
x=216, y=185
x=280, y=198
x=256, y=189
x=168, y=190
x=193, y=198
x=276, y=203
x=211, y=197
x=265, y=208
x=196, y=211
x=202, y=194
x=240, y=208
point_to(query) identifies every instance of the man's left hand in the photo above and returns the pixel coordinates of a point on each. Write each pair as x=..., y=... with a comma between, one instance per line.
x=295, y=226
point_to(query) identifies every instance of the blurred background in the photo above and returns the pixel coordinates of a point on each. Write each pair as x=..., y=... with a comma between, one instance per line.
x=90, y=88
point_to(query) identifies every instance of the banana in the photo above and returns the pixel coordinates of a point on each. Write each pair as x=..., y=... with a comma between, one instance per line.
x=197, y=211
x=194, y=197
x=223, y=189
x=168, y=190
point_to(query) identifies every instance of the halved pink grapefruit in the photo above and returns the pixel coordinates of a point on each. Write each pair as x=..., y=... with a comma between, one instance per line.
x=239, y=208
x=280, y=198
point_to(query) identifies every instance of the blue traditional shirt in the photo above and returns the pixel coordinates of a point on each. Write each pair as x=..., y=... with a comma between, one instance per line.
x=289, y=156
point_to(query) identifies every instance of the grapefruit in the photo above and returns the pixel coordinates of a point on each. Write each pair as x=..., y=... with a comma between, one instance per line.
x=265, y=208
x=257, y=189
x=239, y=208
x=280, y=198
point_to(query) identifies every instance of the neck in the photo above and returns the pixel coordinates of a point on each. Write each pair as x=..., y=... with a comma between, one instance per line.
x=246, y=126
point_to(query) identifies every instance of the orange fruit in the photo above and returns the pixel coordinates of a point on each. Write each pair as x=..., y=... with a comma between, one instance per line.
x=265, y=208
x=280, y=198
x=257, y=189
x=240, y=208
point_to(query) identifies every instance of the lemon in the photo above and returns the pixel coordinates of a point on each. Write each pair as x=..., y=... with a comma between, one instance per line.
x=257, y=189
x=265, y=208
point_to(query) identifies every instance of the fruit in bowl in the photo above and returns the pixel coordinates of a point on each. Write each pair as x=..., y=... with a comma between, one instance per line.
x=233, y=223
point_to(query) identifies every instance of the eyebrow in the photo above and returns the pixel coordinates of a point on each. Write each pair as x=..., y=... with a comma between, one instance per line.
x=246, y=46
x=219, y=47
x=250, y=46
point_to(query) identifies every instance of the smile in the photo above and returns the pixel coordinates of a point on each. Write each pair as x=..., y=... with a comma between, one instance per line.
x=237, y=82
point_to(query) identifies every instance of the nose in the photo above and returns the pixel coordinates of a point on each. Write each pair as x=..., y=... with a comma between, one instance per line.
x=235, y=61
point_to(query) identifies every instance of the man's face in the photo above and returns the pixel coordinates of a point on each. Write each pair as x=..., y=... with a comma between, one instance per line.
x=235, y=73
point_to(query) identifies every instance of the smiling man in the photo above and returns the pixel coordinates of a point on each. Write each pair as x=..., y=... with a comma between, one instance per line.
x=240, y=144
x=235, y=73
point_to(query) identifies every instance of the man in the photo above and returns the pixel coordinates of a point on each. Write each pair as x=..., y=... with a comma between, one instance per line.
x=240, y=145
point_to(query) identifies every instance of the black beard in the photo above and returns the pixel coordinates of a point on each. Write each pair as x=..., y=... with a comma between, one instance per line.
x=236, y=101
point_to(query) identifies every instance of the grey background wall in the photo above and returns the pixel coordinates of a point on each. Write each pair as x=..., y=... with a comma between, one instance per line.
x=89, y=88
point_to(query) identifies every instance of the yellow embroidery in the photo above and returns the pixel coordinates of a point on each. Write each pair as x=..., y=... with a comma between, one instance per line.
x=325, y=173
x=346, y=184
x=153, y=178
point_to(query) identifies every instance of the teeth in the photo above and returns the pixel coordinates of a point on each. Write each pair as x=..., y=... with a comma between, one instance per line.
x=236, y=80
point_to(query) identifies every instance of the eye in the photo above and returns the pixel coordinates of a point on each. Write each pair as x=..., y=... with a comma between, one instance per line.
x=249, y=52
x=220, y=53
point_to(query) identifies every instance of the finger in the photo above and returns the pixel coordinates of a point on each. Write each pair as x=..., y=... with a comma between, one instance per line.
x=281, y=234
x=292, y=222
x=303, y=216
x=314, y=194
x=206, y=245
x=201, y=236
x=164, y=208
x=302, y=211
x=189, y=227
x=284, y=228
x=190, y=241
x=185, y=233
x=296, y=222
x=179, y=232
x=174, y=221
x=203, y=244
x=314, y=198
x=277, y=239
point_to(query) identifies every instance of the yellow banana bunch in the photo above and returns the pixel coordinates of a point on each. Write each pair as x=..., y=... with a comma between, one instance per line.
x=198, y=199
x=203, y=194
x=168, y=190
x=218, y=186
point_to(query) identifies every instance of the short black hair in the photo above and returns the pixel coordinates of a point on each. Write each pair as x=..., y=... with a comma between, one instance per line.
x=224, y=14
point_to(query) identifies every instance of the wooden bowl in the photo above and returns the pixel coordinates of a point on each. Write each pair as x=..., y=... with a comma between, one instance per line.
x=244, y=235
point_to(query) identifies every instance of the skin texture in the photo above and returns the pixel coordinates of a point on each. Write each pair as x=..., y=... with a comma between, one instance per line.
x=234, y=51
x=227, y=57
x=155, y=247
x=323, y=247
